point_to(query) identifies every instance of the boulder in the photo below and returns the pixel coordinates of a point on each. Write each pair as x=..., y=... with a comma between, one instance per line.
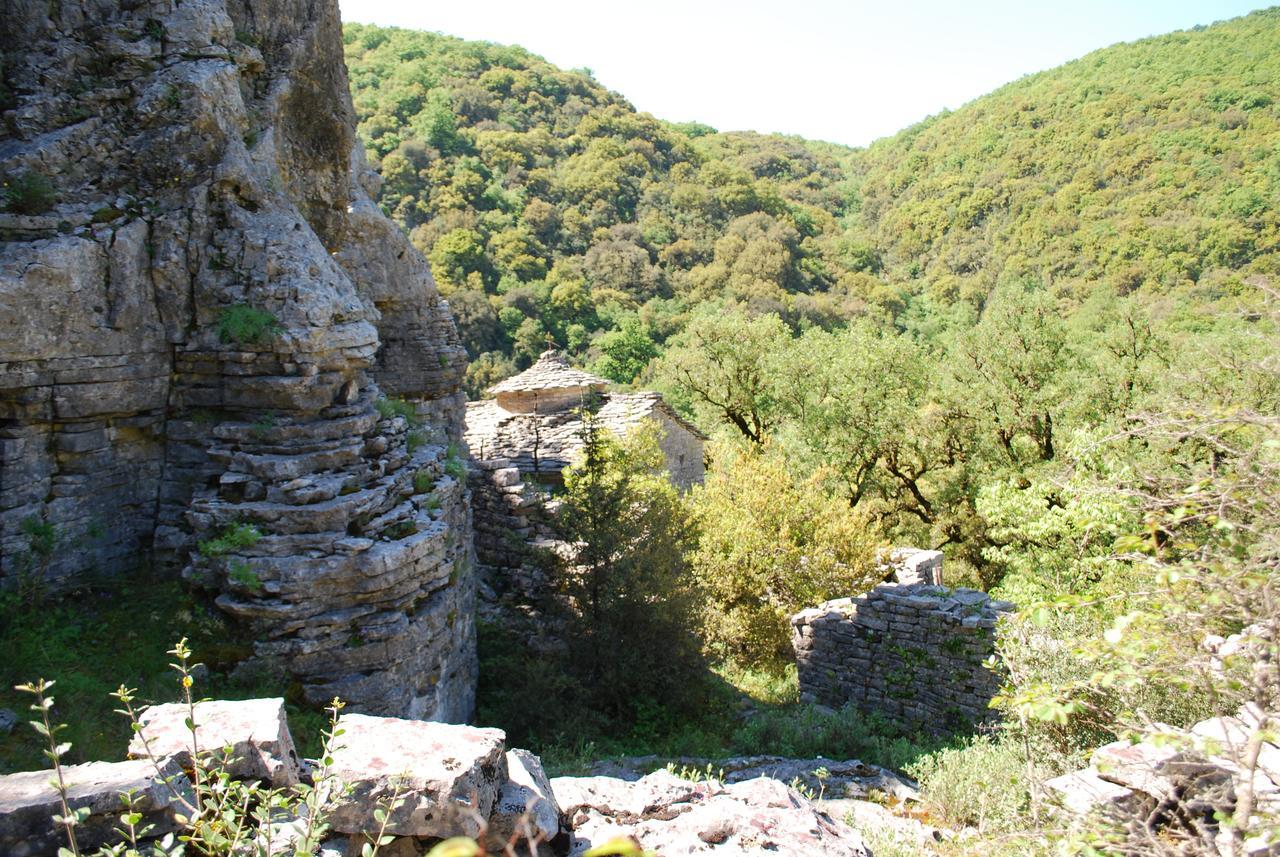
x=527, y=790
x=28, y=803
x=255, y=729
x=673, y=816
x=447, y=776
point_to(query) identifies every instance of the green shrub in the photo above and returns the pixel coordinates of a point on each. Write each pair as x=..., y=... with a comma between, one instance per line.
x=242, y=573
x=454, y=464
x=233, y=537
x=29, y=192
x=982, y=783
x=392, y=408
x=246, y=324
x=807, y=731
x=423, y=482
x=415, y=441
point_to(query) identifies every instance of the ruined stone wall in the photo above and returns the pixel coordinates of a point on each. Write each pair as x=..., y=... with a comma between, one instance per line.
x=510, y=526
x=911, y=652
x=203, y=165
x=683, y=452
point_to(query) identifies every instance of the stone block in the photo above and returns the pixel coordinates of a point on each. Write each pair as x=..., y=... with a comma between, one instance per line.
x=1083, y=791
x=255, y=729
x=449, y=776
x=527, y=790
x=28, y=803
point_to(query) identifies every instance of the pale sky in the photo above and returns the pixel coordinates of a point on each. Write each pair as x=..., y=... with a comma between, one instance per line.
x=848, y=72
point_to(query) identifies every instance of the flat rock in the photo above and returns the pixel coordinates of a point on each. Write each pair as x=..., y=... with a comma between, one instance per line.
x=527, y=790
x=1084, y=791
x=449, y=776
x=866, y=816
x=28, y=803
x=672, y=816
x=1136, y=766
x=255, y=729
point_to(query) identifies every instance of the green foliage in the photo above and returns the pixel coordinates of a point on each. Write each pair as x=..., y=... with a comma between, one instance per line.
x=246, y=325
x=28, y=192
x=454, y=463
x=389, y=409
x=771, y=545
x=119, y=629
x=982, y=783
x=242, y=574
x=632, y=635
x=548, y=198
x=232, y=538
x=423, y=482
x=806, y=731
x=1105, y=171
x=42, y=535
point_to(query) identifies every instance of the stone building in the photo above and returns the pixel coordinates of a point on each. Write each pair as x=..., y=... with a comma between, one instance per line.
x=522, y=440
x=535, y=421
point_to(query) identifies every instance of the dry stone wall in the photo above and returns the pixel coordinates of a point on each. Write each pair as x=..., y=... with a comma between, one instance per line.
x=914, y=653
x=196, y=334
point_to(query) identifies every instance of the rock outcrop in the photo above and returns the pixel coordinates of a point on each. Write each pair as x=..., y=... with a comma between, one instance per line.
x=255, y=731
x=1179, y=785
x=202, y=314
x=447, y=777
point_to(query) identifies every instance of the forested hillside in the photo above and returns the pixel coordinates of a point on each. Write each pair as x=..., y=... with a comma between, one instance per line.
x=1147, y=166
x=550, y=207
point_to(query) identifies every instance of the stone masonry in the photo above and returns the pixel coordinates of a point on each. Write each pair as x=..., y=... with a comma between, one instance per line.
x=912, y=652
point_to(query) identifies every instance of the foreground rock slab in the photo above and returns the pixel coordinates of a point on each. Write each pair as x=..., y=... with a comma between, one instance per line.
x=526, y=791
x=849, y=778
x=256, y=730
x=673, y=816
x=28, y=802
x=1084, y=791
x=448, y=776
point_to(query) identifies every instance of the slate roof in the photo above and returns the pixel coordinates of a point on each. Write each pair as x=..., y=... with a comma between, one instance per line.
x=550, y=372
x=547, y=442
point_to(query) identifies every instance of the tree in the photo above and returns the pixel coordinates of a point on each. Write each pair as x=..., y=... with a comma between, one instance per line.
x=773, y=544
x=626, y=352
x=721, y=362
x=631, y=637
x=1012, y=365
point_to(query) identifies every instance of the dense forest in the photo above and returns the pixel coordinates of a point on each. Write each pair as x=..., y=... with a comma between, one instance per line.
x=1038, y=333
x=549, y=206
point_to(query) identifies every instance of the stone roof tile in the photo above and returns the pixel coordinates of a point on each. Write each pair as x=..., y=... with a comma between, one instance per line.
x=550, y=372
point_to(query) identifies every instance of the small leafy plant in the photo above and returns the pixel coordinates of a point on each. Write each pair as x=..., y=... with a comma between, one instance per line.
x=234, y=537
x=392, y=408
x=29, y=192
x=242, y=573
x=454, y=464
x=423, y=482
x=246, y=324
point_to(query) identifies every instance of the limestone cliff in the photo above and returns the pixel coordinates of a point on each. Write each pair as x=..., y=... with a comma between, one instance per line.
x=201, y=312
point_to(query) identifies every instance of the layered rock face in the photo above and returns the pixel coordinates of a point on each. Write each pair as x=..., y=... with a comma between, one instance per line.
x=198, y=334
